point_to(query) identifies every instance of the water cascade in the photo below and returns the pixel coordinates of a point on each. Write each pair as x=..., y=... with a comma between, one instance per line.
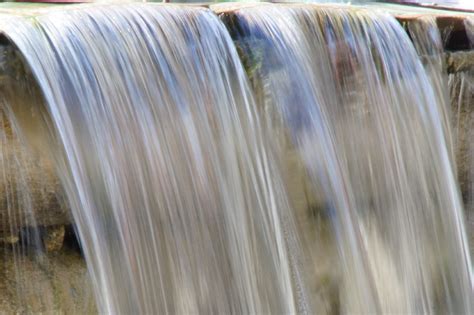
x=175, y=133
x=178, y=204
x=461, y=88
x=366, y=118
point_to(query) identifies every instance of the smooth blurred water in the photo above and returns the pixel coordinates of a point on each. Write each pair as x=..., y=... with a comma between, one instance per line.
x=176, y=170
x=371, y=123
x=177, y=200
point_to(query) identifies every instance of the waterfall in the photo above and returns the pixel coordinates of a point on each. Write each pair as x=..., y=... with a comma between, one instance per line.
x=177, y=201
x=461, y=88
x=371, y=126
x=248, y=159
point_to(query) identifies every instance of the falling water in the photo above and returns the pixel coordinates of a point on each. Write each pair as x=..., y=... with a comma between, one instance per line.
x=461, y=84
x=178, y=203
x=372, y=131
x=462, y=92
x=177, y=171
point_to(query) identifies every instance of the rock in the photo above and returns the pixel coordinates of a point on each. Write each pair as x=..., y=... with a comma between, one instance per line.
x=31, y=194
x=9, y=238
x=53, y=238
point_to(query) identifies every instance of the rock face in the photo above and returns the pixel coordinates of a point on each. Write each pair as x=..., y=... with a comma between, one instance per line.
x=462, y=106
x=53, y=237
x=30, y=191
x=32, y=283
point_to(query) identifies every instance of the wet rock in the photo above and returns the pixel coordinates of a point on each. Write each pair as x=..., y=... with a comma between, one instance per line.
x=8, y=238
x=462, y=108
x=53, y=238
x=460, y=61
x=56, y=283
x=30, y=192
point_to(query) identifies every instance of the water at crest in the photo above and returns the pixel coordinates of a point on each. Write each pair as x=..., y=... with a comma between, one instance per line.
x=177, y=183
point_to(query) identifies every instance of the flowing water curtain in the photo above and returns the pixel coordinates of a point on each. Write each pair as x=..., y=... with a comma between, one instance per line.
x=177, y=200
x=288, y=75
x=461, y=84
x=428, y=42
x=372, y=129
x=462, y=96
